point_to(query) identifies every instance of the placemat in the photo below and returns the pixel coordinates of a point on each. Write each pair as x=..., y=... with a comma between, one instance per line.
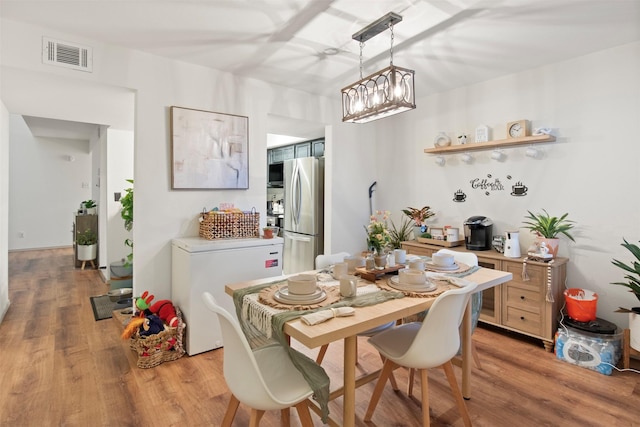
x=102, y=307
x=266, y=297
x=441, y=287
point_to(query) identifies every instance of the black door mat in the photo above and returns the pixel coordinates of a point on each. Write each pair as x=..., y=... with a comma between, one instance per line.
x=102, y=307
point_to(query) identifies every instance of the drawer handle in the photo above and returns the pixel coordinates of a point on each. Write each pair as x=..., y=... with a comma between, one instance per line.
x=522, y=297
x=521, y=317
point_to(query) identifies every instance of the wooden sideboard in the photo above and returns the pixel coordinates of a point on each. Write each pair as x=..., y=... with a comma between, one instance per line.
x=518, y=305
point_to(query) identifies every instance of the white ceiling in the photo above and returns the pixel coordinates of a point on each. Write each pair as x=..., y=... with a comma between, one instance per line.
x=450, y=43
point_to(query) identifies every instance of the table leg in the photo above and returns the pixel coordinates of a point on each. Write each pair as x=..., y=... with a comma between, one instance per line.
x=349, y=397
x=466, y=352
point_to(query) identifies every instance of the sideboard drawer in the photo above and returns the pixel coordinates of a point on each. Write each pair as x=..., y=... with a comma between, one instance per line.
x=522, y=320
x=523, y=296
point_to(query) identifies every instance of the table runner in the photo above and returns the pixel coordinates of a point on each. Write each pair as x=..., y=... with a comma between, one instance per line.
x=313, y=373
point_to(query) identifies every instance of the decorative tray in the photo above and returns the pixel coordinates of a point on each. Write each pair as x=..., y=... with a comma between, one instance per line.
x=373, y=275
x=443, y=243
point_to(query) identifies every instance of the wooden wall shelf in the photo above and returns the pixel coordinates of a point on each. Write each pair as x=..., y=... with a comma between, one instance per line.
x=501, y=143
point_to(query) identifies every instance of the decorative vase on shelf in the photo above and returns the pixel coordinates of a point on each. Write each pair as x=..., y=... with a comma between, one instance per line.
x=442, y=140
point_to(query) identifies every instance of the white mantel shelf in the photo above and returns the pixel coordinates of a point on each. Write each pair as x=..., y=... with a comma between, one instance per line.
x=500, y=143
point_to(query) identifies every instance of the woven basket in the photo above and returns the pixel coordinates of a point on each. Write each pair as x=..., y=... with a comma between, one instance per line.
x=229, y=225
x=162, y=347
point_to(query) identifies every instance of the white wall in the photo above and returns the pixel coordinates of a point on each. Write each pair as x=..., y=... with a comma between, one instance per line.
x=592, y=103
x=4, y=208
x=46, y=189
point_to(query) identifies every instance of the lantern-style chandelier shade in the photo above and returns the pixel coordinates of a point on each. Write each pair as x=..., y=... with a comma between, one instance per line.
x=384, y=93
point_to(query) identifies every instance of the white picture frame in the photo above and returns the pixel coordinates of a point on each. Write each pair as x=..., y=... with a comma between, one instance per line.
x=482, y=133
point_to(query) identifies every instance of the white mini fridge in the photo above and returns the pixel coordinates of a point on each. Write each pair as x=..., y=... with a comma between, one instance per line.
x=200, y=265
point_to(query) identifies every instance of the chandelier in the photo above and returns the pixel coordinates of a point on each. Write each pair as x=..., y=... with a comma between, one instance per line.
x=385, y=93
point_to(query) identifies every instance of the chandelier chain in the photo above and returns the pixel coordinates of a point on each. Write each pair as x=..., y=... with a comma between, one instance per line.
x=361, y=66
x=391, y=49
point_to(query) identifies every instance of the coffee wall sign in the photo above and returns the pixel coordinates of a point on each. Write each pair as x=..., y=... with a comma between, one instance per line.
x=490, y=185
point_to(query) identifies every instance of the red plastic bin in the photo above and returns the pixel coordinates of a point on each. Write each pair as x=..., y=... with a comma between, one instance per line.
x=581, y=304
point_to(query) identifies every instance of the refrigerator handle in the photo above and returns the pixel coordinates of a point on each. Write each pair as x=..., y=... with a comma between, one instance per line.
x=296, y=193
x=297, y=237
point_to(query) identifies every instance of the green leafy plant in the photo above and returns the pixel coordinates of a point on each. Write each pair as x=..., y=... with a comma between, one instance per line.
x=632, y=270
x=127, y=215
x=86, y=238
x=419, y=216
x=89, y=204
x=549, y=227
x=400, y=234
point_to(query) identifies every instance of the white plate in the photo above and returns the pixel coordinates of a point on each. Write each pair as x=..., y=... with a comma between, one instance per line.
x=430, y=265
x=394, y=282
x=285, y=299
x=284, y=293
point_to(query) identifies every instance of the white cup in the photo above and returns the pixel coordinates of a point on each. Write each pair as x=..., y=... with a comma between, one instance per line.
x=339, y=270
x=408, y=276
x=353, y=262
x=416, y=264
x=400, y=255
x=442, y=260
x=453, y=234
x=348, y=285
x=302, y=284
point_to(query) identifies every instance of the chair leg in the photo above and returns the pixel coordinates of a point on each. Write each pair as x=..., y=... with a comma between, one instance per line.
x=457, y=394
x=256, y=415
x=377, y=391
x=232, y=408
x=424, y=382
x=412, y=372
x=285, y=418
x=474, y=353
x=303, y=413
x=392, y=378
x=321, y=354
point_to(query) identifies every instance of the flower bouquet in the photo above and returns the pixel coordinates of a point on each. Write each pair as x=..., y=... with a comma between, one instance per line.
x=378, y=236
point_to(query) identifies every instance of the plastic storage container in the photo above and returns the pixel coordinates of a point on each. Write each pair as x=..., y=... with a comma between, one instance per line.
x=597, y=352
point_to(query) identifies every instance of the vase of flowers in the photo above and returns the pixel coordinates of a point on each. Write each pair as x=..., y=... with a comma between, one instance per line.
x=378, y=236
x=419, y=216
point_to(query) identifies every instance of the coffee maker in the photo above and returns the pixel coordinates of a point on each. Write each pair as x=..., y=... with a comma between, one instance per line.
x=478, y=233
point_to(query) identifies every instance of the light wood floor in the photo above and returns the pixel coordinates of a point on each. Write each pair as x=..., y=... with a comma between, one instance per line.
x=59, y=367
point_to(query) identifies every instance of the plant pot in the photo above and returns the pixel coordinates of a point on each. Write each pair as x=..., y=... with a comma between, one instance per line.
x=87, y=252
x=92, y=211
x=552, y=245
x=634, y=328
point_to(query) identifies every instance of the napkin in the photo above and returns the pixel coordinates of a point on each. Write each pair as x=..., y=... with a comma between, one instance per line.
x=456, y=281
x=324, y=315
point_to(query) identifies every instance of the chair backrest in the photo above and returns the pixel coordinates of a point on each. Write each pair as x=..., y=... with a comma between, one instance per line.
x=241, y=372
x=476, y=299
x=438, y=339
x=325, y=260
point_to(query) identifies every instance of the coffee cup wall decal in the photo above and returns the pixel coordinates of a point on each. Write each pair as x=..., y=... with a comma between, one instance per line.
x=519, y=189
x=459, y=196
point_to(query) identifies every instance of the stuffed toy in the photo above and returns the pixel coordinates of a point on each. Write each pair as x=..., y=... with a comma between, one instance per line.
x=145, y=326
x=142, y=303
x=165, y=310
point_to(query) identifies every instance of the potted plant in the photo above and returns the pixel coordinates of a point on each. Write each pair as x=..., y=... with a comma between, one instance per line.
x=400, y=234
x=548, y=228
x=87, y=244
x=127, y=215
x=632, y=275
x=419, y=216
x=90, y=207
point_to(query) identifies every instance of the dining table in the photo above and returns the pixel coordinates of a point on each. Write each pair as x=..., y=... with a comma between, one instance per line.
x=368, y=317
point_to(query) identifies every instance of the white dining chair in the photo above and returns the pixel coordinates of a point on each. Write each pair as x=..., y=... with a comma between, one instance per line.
x=423, y=345
x=264, y=379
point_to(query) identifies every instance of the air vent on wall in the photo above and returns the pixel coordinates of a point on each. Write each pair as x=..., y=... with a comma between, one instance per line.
x=65, y=54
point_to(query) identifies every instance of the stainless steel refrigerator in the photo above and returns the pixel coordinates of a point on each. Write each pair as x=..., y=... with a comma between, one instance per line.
x=303, y=213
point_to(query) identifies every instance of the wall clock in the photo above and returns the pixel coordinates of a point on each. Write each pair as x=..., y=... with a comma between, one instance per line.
x=482, y=133
x=518, y=129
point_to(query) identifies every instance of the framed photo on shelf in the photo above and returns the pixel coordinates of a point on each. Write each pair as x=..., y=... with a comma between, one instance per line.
x=482, y=133
x=209, y=151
